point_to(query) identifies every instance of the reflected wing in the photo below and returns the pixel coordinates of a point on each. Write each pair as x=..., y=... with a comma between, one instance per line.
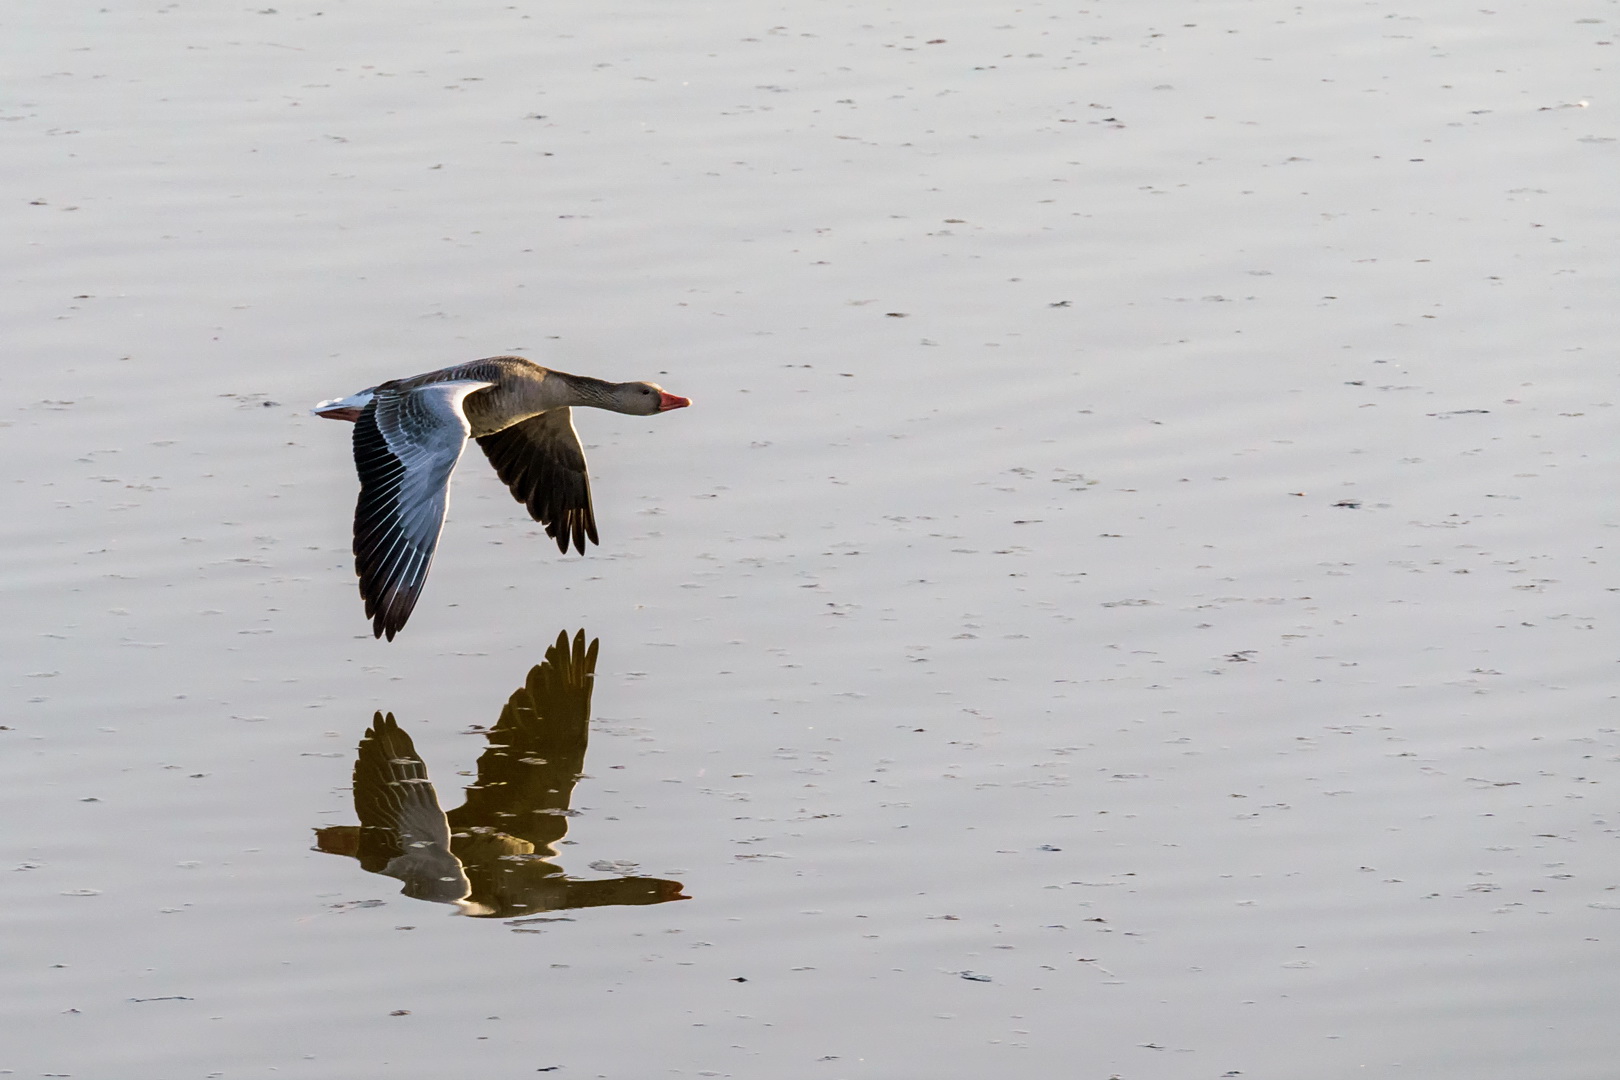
x=537, y=750
x=405, y=445
x=400, y=818
x=542, y=462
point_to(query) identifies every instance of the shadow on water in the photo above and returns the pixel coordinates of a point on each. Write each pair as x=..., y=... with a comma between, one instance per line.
x=491, y=856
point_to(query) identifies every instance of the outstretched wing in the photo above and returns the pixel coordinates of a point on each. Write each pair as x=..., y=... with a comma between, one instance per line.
x=406, y=442
x=541, y=460
x=400, y=817
x=537, y=750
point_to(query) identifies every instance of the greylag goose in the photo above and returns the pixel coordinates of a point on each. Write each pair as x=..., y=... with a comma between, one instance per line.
x=409, y=434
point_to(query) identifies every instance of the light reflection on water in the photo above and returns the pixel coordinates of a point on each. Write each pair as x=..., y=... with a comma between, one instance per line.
x=493, y=855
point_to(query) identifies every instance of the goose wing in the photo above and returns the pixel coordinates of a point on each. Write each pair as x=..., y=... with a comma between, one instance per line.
x=400, y=817
x=536, y=751
x=541, y=460
x=406, y=442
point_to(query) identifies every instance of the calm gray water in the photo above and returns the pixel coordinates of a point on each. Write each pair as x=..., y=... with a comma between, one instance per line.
x=1133, y=597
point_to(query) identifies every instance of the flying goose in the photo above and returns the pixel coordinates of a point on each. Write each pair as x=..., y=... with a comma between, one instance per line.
x=409, y=434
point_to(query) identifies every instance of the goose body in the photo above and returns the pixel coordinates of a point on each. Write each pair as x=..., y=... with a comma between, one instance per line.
x=409, y=434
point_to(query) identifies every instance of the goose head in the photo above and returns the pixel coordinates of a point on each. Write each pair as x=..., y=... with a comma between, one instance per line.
x=644, y=399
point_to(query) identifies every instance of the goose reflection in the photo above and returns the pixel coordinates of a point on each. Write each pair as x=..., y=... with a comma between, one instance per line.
x=492, y=855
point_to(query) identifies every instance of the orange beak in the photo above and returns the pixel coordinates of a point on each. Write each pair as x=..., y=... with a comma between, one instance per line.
x=667, y=402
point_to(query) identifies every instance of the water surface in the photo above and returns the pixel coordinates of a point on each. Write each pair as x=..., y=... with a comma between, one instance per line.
x=1132, y=597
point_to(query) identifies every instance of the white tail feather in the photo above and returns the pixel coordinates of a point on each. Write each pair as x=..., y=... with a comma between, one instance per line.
x=353, y=401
